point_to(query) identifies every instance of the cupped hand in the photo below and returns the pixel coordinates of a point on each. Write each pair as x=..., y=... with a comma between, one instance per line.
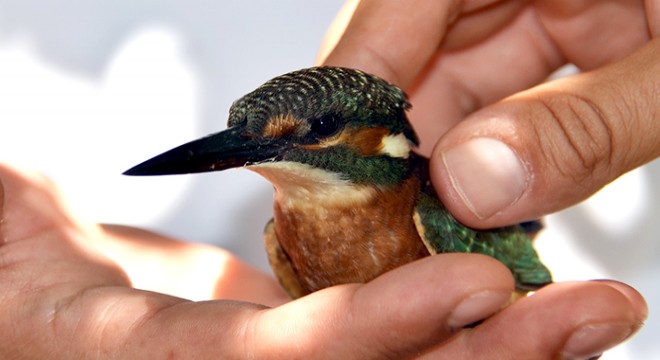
x=505, y=146
x=66, y=292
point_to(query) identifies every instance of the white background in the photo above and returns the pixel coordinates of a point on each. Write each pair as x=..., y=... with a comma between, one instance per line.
x=90, y=88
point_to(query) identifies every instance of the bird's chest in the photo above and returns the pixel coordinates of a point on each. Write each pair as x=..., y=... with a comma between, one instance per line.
x=355, y=239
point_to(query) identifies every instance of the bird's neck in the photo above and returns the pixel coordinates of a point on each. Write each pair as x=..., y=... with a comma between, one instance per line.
x=335, y=232
x=303, y=185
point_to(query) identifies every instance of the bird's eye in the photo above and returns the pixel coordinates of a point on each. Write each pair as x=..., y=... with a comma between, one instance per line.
x=326, y=125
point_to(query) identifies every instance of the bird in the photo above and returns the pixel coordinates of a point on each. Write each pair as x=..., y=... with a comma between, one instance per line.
x=352, y=199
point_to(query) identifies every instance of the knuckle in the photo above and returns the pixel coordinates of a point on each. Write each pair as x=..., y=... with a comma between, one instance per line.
x=577, y=137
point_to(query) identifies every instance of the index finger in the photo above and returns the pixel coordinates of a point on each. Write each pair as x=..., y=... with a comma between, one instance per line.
x=396, y=39
x=367, y=39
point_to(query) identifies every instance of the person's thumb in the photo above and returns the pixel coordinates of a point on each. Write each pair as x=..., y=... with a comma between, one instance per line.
x=552, y=146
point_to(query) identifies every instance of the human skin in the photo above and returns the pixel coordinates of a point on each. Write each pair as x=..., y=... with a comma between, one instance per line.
x=67, y=292
x=67, y=286
x=505, y=146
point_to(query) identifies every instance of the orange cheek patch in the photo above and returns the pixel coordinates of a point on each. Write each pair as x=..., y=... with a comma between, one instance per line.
x=281, y=125
x=367, y=141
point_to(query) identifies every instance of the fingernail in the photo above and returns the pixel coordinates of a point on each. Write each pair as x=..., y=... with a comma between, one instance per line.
x=487, y=175
x=591, y=340
x=477, y=307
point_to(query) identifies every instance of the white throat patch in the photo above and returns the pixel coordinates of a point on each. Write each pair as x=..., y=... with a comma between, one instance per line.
x=395, y=146
x=299, y=184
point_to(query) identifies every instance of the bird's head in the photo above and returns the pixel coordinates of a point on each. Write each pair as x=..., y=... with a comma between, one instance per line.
x=308, y=125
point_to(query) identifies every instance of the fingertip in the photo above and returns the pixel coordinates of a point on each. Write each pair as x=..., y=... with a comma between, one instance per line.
x=481, y=174
x=484, y=173
x=608, y=318
x=639, y=305
x=477, y=307
x=571, y=320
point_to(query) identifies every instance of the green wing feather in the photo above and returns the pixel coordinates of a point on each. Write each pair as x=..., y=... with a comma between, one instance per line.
x=511, y=245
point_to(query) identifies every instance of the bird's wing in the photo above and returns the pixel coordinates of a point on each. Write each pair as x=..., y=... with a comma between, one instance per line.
x=280, y=263
x=511, y=245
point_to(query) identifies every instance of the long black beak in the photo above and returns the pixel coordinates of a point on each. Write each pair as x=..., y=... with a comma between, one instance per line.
x=224, y=150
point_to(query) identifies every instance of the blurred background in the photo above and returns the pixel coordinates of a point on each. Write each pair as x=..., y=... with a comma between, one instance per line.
x=91, y=88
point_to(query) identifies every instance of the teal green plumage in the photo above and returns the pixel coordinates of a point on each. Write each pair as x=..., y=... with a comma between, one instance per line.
x=511, y=245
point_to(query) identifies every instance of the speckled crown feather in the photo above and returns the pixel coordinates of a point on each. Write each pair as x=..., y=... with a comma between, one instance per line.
x=312, y=92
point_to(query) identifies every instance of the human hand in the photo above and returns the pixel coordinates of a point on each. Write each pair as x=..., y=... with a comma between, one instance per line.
x=65, y=292
x=506, y=149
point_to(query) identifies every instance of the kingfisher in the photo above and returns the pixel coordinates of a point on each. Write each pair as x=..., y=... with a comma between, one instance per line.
x=352, y=199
